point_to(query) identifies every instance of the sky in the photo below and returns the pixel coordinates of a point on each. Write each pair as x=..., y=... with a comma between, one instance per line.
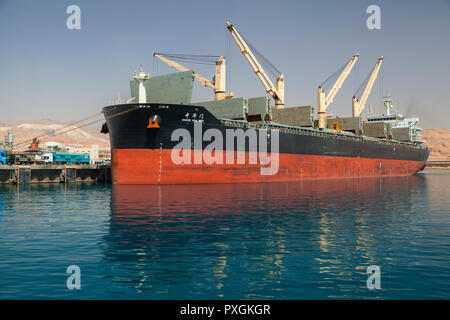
x=50, y=72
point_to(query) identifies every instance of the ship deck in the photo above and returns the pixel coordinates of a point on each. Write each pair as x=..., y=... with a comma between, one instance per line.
x=315, y=132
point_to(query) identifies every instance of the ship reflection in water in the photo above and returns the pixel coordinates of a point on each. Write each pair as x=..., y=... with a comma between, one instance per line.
x=298, y=240
x=309, y=239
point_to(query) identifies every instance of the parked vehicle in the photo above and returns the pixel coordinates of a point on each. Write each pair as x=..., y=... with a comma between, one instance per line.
x=65, y=158
x=3, y=157
x=20, y=158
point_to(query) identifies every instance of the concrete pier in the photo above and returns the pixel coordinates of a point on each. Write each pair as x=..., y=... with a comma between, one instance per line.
x=438, y=164
x=54, y=174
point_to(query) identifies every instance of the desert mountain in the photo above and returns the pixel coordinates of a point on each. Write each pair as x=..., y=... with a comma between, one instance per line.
x=49, y=130
x=438, y=140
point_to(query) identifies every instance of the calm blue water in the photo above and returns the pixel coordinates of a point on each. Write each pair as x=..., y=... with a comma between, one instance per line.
x=307, y=240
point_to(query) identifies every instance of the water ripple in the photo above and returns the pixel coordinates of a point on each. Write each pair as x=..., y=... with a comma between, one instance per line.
x=302, y=240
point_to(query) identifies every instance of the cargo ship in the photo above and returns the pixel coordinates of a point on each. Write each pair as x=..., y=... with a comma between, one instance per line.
x=164, y=138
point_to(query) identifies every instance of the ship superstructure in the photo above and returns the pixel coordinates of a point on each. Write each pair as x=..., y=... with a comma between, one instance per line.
x=392, y=115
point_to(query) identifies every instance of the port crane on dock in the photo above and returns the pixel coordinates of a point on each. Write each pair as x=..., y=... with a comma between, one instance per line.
x=359, y=104
x=276, y=92
x=323, y=101
x=219, y=83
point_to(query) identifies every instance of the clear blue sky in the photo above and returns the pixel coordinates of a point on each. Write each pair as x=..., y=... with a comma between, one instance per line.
x=48, y=71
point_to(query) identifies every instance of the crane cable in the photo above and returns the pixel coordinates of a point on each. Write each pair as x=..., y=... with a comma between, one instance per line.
x=81, y=126
x=326, y=84
x=74, y=123
x=363, y=85
x=228, y=55
x=267, y=65
x=192, y=58
x=55, y=132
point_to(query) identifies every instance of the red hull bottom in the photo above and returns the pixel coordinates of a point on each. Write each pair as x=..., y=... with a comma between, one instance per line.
x=144, y=166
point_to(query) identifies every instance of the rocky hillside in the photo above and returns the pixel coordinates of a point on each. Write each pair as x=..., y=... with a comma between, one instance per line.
x=438, y=140
x=50, y=131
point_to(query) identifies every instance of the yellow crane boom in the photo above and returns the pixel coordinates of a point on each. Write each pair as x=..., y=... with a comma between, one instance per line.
x=324, y=101
x=277, y=93
x=358, y=105
x=219, y=83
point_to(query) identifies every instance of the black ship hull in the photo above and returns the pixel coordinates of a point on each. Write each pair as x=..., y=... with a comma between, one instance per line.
x=182, y=144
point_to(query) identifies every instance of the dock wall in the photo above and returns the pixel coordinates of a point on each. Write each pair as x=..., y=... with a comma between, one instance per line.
x=54, y=174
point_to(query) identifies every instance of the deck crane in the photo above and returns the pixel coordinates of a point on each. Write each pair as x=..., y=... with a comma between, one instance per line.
x=358, y=105
x=219, y=78
x=277, y=93
x=324, y=101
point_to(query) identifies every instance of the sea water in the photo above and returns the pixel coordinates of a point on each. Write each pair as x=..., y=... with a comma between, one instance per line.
x=290, y=240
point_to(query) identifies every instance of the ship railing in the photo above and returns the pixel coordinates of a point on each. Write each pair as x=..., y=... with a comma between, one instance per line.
x=313, y=132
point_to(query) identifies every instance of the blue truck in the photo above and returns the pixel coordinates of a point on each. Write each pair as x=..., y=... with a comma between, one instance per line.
x=50, y=157
x=3, y=157
x=65, y=158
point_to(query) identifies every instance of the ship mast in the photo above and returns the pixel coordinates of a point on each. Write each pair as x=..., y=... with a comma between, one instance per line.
x=387, y=101
x=141, y=77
